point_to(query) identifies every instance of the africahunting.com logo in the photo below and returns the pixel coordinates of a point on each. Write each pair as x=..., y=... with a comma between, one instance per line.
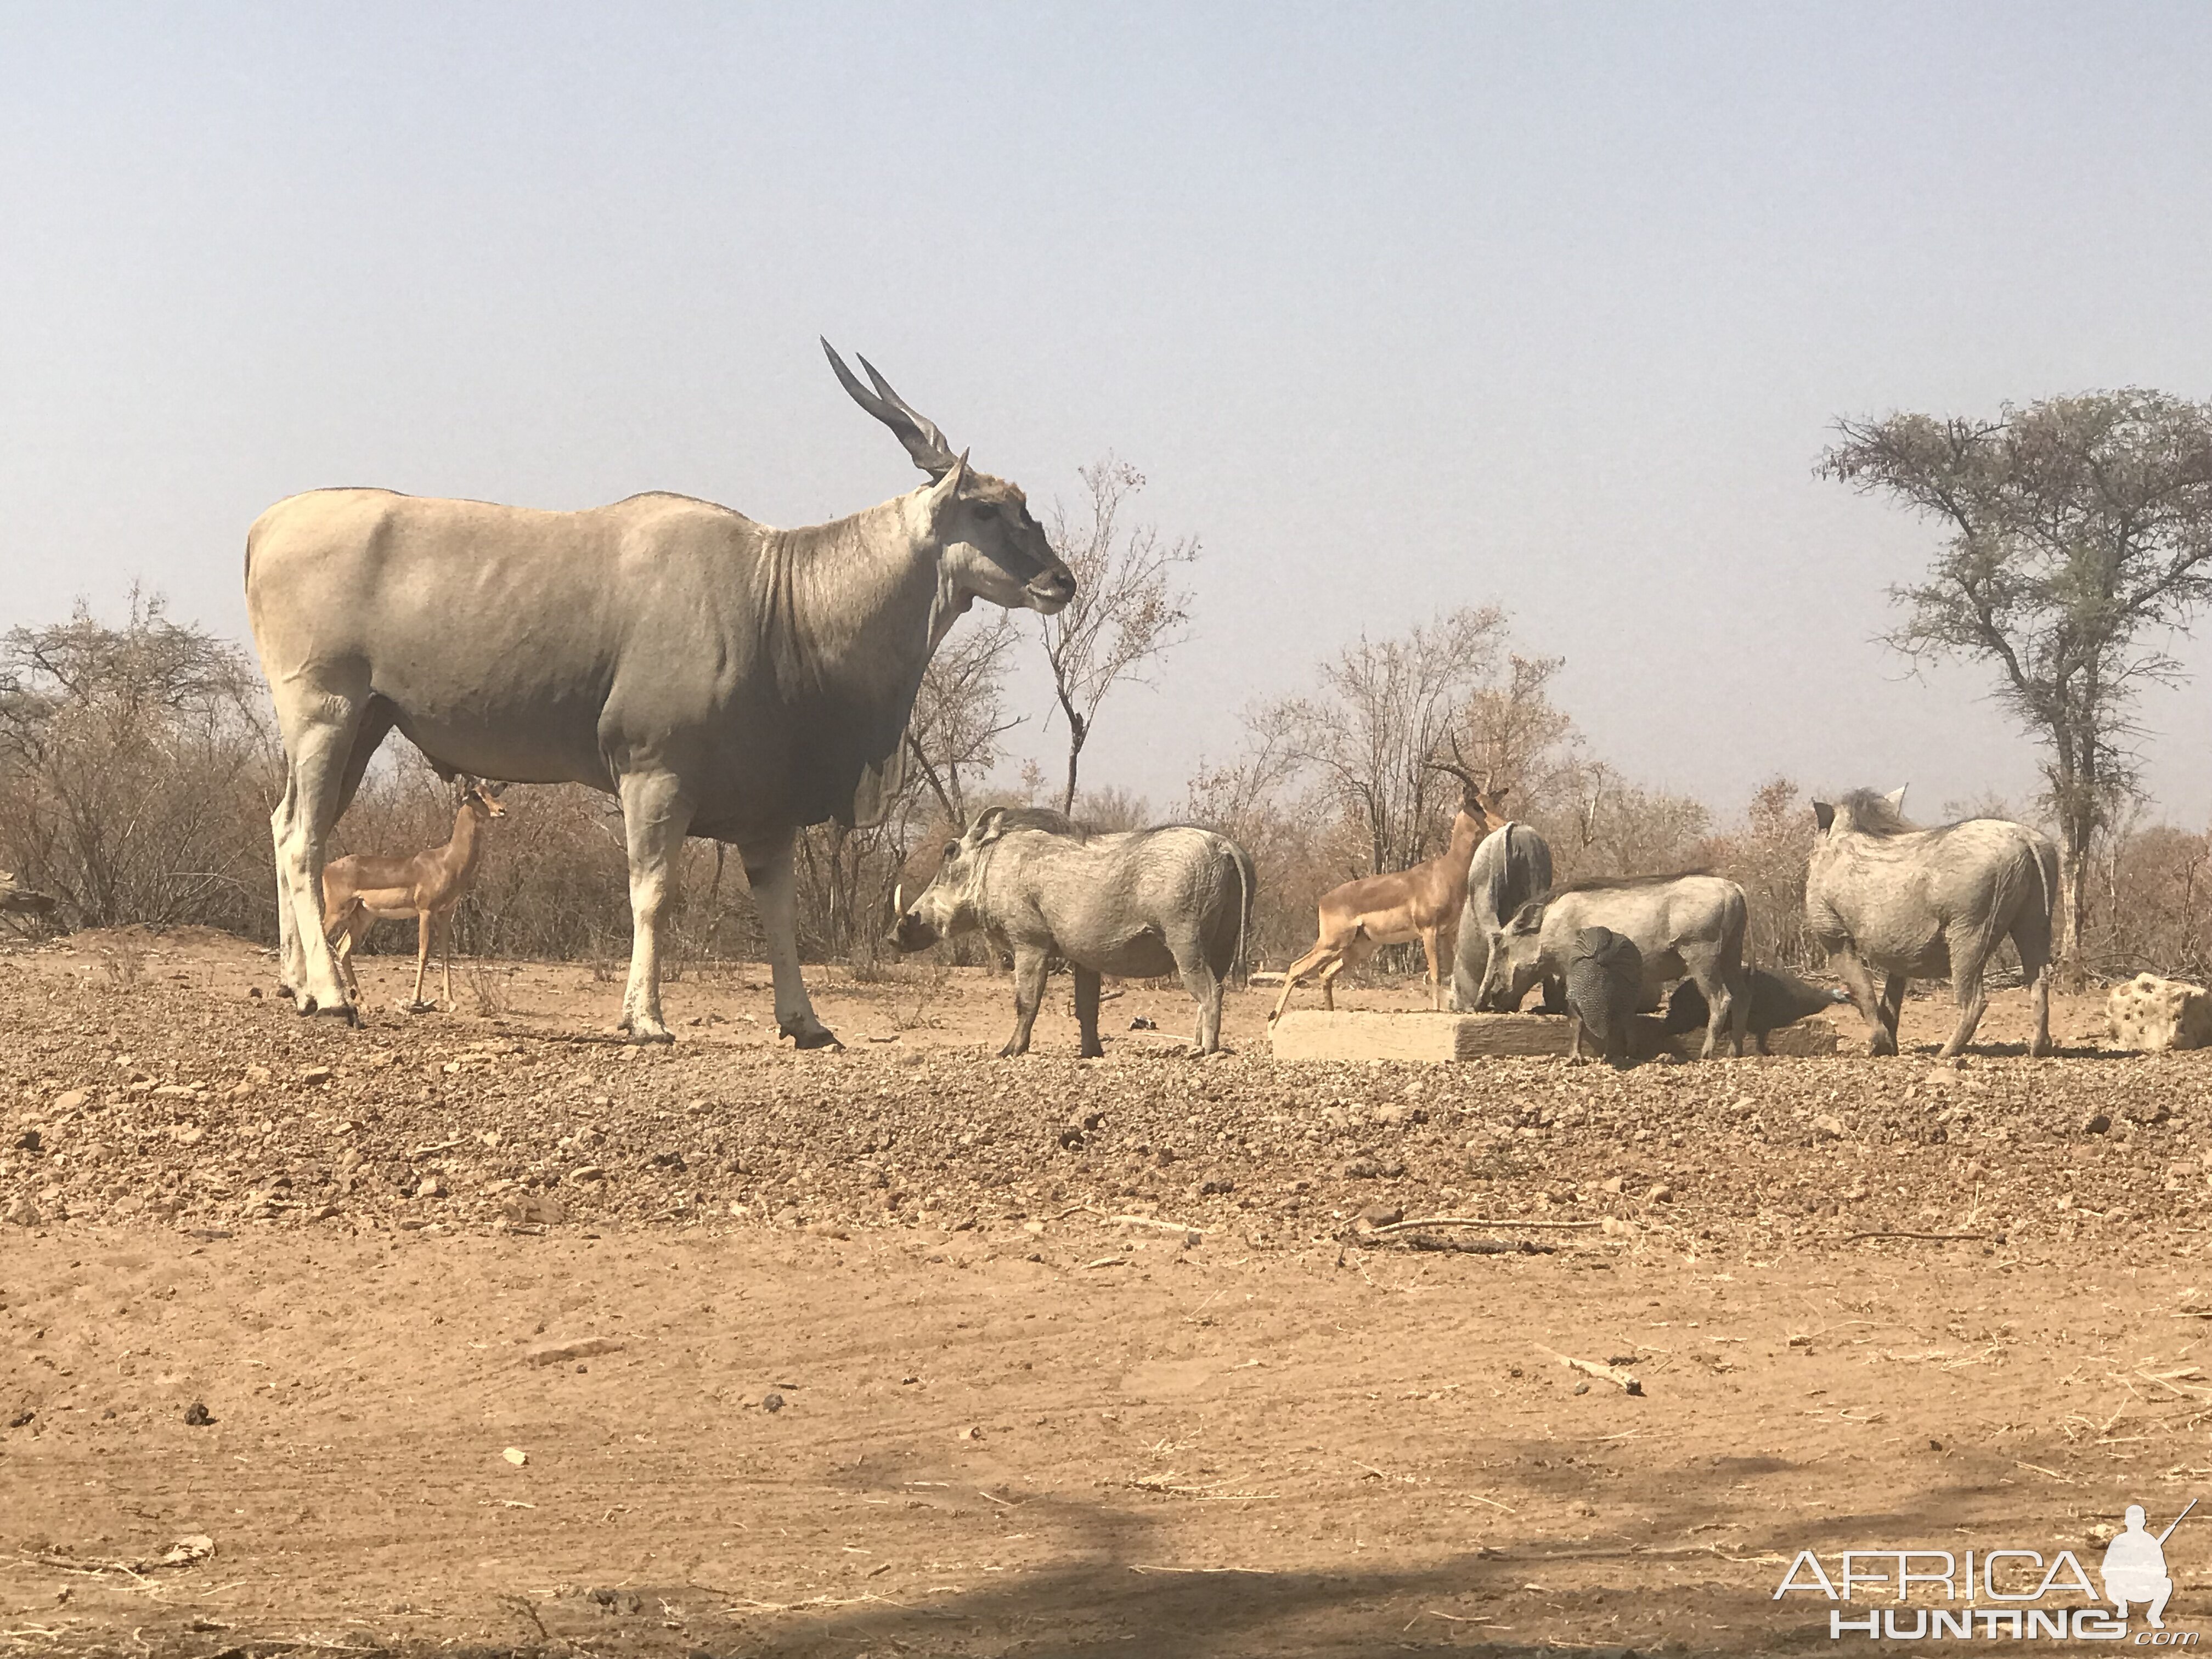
x=2002, y=1594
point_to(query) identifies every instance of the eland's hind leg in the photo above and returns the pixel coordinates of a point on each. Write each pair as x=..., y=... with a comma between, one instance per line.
x=318, y=746
x=655, y=818
x=775, y=895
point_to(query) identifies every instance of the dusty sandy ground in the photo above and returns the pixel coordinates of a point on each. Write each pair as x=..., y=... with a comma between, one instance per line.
x=848, y=1353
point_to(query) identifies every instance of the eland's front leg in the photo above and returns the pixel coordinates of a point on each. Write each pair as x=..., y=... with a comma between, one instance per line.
x=775, y=895
x=655, y=817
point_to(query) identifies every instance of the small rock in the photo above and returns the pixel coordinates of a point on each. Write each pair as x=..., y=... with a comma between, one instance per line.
x=1582, y=1388
x=1614, y=1183
x=30, y=1141
x=21, y=1212
x=1361, y=1168
x=771, y=1402
x=22, y=1418
x=314, y=1076
x=2096, y=1124
x=971, y=1432
x=1661, y=1194
x=72, y=1101
x=431, y=1186
x=1829, y=1126
x=198, y=1416
x=1140, y=1023
x=254, y=992
x=538, y=1209
x=1383, y=1215
x=585, y=1172
x=516, y=1455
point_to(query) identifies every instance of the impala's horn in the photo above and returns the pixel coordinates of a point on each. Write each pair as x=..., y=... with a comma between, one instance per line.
x=912, y=428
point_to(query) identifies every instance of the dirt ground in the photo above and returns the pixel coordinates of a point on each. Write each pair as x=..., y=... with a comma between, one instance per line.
x=506, y=1336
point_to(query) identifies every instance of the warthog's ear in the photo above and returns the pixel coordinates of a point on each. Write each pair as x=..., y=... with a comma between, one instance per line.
x=1824, y=815
x=987, y=827
x=1896, y=797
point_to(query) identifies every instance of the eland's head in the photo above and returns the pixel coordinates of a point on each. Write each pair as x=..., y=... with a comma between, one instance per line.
x=991, y=545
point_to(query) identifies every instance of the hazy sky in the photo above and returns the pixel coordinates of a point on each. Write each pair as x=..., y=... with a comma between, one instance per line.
x=1398, y=308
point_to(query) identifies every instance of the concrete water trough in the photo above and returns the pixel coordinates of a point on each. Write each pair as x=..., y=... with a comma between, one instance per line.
x=1374, y=1034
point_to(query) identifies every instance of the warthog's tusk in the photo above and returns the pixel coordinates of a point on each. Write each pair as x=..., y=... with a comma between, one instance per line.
x=899, y=898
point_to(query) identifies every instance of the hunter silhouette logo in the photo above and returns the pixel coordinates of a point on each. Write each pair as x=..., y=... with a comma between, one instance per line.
x=2010, y=1594
x=2134, y=1567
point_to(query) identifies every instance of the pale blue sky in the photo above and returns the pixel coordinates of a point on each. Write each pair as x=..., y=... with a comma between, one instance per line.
x=1400, y=307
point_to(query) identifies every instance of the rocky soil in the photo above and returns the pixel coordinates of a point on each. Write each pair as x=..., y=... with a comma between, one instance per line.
x=162, y=1125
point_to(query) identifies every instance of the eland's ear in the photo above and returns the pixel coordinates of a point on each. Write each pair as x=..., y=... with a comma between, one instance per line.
x=1824, y=815
x=947, y=490
x=1896, y=797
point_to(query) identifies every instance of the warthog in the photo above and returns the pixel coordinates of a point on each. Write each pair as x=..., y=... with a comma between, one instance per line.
x=1883, y=895
x=1173, y=900
x=1777, y=1000
x=1605, y=982
x=1511, y=866
x=1683, y=925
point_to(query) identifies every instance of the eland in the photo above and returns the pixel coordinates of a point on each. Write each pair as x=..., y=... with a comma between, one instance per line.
x=718, y=676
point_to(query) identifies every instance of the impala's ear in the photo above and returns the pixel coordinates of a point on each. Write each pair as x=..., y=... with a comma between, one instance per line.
x=1824, y=815
x=1896, y=797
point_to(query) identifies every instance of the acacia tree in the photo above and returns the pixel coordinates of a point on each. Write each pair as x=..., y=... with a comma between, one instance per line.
x=2078, y=542
x=1126, y=610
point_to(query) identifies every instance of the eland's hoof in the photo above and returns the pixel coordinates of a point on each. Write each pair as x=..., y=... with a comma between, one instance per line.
x=341, y=1009
x=808, y=1033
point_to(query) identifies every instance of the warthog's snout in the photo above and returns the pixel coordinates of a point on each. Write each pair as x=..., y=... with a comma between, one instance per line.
x=908, y=930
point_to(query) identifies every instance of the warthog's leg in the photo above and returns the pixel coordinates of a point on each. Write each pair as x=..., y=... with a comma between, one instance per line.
x=1893, y=1006
x=1724, y=1010
x=656, y=816
x=1967, y=991
x=1028, y=997
x=1086, y=1011
x=1205, y=986
x=1858, y=980
x=775, y=896
x=2034, y=948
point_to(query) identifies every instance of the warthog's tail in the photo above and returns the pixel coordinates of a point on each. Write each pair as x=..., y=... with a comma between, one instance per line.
x=1247, y=880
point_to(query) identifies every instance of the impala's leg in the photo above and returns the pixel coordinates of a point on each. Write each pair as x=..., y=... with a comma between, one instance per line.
x=1029, y=996
x=345, y=930
x=655, y=817
x=426, y=922
x=1322, y=952
x=1086, y=1011
x=1430, y=942
x=768, y=869
x=445, y=923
